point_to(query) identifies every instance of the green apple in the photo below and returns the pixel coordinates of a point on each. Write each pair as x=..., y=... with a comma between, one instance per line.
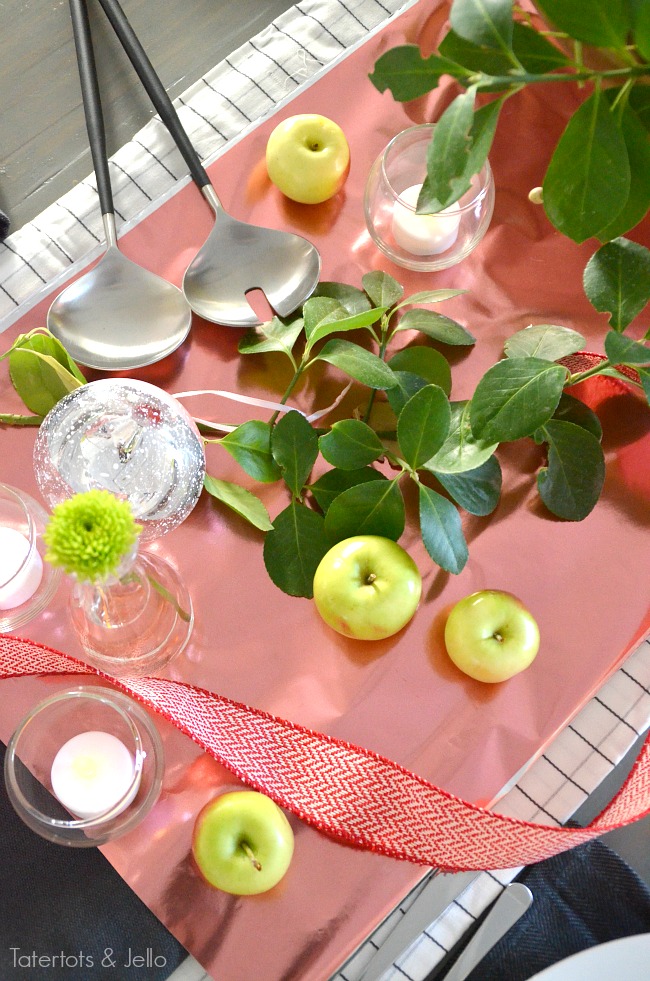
x=307, y=158
x=242, y=843
x=367, y=587
x=491, y=636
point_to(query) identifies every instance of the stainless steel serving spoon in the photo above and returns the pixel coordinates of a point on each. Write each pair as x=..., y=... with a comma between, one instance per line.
x=118, y=315
x=236, y=257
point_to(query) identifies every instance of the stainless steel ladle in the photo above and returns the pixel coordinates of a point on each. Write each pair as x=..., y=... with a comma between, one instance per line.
x=236, y=257
x=118, y=315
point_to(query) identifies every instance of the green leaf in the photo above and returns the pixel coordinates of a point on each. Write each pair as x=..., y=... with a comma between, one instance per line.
x=11, y=419
x=407, y=384
x=535, y=52
x=515, y=397
x=617, y=280
x=294, y=445
x=573, y=410
x=275, y=335
x=644, y=378
x=425, y=362
x=639, y=102
x=294, y=548
x=42, y=372
x=352, y=299
x=240, y=500
x=250, y=446
x=429, y=296
x=407, y=74
x=642, y=29
x=442, y=531
x=338, y=320
x=334, y=482
x=548, y=341
x=604, y=23
x=638, y=151
x=350, y=445
x=623, y=350
x=588, y=178
x=476, y=57
x=372, y=508
x=461, y=451
x=447, y=155
x=436, y=326
x=423, y=425
x=477, y=491
x=484, y=22
x=571, y=483
x=383, y=290
x=319, y=311
x=360, y=364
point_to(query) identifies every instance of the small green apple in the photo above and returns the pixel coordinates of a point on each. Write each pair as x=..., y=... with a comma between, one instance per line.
x=491, y=636
x=367, y=587
x=307, y=158
x=242, y=843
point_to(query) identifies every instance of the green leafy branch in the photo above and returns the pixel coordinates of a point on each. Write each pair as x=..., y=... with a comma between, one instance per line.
x=405, y=429
x=596, y=183
x=446, y=448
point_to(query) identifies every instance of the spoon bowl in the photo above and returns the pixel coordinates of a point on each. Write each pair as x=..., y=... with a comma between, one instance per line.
x=119, y=316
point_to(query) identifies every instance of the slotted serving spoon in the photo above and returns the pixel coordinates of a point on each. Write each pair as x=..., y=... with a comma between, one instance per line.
x=236, y=257
x=118, y=315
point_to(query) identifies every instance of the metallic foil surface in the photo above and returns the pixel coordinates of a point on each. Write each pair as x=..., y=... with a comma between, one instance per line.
x=586, y=583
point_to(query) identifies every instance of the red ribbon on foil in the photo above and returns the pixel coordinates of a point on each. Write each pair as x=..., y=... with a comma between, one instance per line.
x=346, y=791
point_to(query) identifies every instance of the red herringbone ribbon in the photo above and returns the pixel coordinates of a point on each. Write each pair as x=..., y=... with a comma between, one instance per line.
x=343, y=790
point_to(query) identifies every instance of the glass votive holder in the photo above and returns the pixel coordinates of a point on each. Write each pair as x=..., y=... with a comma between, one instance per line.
x=130, y=438
x=27, y=582
x=424, y=243
x=84, y=766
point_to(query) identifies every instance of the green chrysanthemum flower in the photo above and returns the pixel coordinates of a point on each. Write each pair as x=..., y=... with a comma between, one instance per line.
x=89, y=534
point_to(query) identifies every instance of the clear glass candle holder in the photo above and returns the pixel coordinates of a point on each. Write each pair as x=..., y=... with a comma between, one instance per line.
x=130, y=438
x=84, y=721
x=27, y=582
x=424, y=243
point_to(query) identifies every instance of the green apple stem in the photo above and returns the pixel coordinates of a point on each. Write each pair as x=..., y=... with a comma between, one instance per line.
x=251, y=855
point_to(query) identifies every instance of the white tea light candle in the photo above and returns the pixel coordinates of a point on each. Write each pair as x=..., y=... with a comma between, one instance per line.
x=21, y=570
x=92, y=772
x=423, y=234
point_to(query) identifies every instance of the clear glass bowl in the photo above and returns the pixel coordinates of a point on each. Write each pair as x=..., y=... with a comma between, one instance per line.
x=128, y=437
x=32, y=749
x=424, y=243
x=27, y=582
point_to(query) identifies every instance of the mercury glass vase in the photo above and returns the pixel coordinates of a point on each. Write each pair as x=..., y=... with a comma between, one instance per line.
x=130, y=438
x=137, y=621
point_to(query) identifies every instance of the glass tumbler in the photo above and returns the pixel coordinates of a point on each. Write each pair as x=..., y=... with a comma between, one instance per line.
x=84, y=766
x=27, y=582
x=424, y=243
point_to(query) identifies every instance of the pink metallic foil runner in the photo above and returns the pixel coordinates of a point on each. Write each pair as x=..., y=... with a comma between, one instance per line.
x=585, y=582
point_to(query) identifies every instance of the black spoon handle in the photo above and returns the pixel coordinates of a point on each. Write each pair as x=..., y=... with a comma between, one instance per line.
x=92, y=102
x=154, y=88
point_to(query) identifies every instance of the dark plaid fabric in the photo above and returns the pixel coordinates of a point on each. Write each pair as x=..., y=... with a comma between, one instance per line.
x=584, y=897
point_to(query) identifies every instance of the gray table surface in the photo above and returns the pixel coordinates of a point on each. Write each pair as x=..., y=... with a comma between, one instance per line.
x=43, y=144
